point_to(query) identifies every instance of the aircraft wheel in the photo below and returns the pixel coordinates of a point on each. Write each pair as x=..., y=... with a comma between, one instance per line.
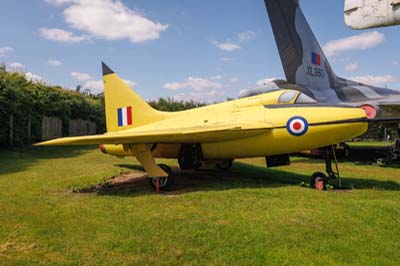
x=316, y=178
x=165, y=182
x=225, y=164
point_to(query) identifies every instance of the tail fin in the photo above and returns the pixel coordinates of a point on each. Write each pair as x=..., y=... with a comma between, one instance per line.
x=303, y=60
x=124, y=107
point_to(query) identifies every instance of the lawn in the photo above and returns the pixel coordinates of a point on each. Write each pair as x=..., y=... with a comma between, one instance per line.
x=247, y=216
x=369, y=144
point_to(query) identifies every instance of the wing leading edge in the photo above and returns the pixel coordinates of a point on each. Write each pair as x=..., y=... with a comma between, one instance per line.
x=204, y=134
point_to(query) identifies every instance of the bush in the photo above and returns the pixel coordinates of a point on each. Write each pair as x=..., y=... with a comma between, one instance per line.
x=30, y=101
x=171, y=105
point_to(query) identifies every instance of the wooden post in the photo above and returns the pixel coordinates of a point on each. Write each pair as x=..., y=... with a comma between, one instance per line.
x=29, y=128
x=11, y=129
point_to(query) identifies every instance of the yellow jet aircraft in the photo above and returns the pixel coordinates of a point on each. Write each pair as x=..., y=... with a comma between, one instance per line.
x=250, y=127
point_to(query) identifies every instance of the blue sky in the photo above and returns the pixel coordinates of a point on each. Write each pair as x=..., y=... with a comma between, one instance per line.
x=201, y=50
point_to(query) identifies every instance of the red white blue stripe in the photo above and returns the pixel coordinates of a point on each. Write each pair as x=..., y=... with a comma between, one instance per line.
x=125, y=116
x=316, y=59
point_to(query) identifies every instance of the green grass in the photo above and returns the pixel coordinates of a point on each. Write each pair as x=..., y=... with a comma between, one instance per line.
x=248, y=216
x=369, y=144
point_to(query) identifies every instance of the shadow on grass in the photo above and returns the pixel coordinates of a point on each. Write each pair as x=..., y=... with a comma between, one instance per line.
x=130, y=167
x=314, y=160
x=241, y=176
x=16, y=161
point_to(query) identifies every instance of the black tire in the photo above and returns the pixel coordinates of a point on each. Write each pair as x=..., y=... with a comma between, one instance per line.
x=316, y=177
x=165, y=182
x=225, y=165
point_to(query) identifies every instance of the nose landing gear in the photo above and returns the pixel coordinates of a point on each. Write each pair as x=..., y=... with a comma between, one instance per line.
x=319, y=180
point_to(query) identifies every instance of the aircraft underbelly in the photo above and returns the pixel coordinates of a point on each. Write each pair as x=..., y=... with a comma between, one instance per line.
x=275, y=142
x=279, y=141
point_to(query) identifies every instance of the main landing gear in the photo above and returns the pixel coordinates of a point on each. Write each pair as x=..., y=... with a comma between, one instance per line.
x=319, y=180
x=224, y=165
x=162, y=183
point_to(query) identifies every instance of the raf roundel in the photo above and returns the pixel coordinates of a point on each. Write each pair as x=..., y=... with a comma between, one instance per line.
x=297, y=126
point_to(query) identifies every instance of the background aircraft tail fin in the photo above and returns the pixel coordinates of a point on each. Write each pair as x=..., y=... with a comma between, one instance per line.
x=302, y=57
x=124, y=107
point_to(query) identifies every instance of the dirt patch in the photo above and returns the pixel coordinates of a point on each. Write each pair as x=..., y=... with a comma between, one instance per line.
x=5, y=246
x=126, y=182
x=184, y=182
x=8, y=246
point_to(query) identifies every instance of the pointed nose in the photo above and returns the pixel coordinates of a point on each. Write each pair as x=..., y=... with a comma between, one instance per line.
x=340, y=123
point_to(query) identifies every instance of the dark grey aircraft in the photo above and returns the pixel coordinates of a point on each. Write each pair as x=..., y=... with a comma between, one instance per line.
x=307, y=68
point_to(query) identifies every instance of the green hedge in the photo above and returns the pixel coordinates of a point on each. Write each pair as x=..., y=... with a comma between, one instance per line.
x=27, y=100
x=170, y=105
x=30, y=101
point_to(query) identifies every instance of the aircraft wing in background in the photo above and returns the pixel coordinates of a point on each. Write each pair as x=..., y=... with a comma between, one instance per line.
x=362, y=14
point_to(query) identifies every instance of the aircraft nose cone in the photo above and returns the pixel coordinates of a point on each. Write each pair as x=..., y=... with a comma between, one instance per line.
x=370, y=111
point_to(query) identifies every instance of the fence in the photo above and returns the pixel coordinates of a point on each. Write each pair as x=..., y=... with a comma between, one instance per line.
x=19, y=132
x=51, y=128
x=15, y=130
x=81, y=127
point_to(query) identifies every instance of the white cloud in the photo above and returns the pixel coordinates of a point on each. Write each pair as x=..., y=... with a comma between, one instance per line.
x=210, y=89
x=246, y=36
x=265, y=81
x=357, y=42
x=369, y=79
x=207, y=96
x=351, y=67
x=130, y=83
x=227, y=47
x=5, y=50
x=97, y=86
x=109, y=20
x=58, y=2
x=396, y=63
x=230, y=46
x=196, y=84
x=81, y=76
x=15, y=66
x=19, y=67
x=217, y=77
x=60, y=35
x=54, y=63
x=34, y=78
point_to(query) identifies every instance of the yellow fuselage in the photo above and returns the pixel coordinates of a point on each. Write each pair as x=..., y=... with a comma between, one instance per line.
x=326, y=126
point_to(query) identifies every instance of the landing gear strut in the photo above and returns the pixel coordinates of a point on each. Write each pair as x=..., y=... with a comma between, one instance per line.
x=162, y=183
x=318, y=179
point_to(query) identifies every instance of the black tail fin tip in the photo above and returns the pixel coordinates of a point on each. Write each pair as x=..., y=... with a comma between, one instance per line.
x=106, y=69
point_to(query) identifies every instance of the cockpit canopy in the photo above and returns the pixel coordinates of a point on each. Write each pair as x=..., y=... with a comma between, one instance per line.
x=290, y=94
x=267, y=87
x=295, y=97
